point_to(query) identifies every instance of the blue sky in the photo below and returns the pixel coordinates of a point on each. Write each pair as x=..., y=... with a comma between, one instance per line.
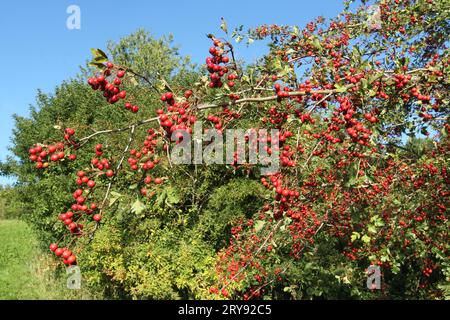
x=38, y=51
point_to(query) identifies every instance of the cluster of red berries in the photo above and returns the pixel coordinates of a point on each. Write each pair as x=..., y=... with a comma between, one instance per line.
x=80, y=206
x=148, y=180
x=144, y=159
x=231, y=77
x=215, y=67
x=42, y=154
x=99, y=150
x=101, y=165
x=275, y=183
x=421, y=97
x=111, y=90
x=181, y=119
x=355, y=129
x=145, y=154
x=135, y=159
x=225, y=116
x=306, y=87
x=84, y=179
x=352, y=77
x=304, y=117
x=425, y=116
x=68, y=135
x=282, y=92
x=68, y=257
x=401, y=80
x=276, y=116
x=286, y=157
x=427, y=272
x=68, y=217
x=216, y=121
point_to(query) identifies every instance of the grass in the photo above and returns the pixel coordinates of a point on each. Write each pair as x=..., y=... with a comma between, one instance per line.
x=27, y=273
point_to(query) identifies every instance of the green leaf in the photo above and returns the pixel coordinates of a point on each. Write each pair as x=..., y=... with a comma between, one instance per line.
x=114, y=197
x=161, y=198
x=98, y=53
x=352, y=181
x=365, y=238
x=355, y=236
x=172, y=196
x=224, y=26
x=137, y=207
x=395, y=268
x=340, y=88
x=363, y=84
x=317, y=44
x=98, y=65
x=259, y=225
x=133, y=186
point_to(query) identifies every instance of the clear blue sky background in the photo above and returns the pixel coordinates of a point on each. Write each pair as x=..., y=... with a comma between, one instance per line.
x=38, y=51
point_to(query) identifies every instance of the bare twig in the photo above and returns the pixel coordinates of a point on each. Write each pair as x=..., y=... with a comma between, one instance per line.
x=119, y=165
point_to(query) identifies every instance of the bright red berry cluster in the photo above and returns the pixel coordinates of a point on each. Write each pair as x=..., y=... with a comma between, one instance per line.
x=42, y=154
x=218, y=65
x=65, y=254
x=177, y=116
x=112, y=90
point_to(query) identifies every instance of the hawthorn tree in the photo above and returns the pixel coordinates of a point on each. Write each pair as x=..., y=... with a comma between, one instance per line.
x=361, y=102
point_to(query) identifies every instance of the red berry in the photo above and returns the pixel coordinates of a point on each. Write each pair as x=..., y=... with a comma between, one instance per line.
x=72, y=226
x=109, y=173
x=66, y=254
x=71, y=260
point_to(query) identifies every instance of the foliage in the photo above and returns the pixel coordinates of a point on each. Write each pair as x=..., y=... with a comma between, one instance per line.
x=10, y=206
x=352, y=191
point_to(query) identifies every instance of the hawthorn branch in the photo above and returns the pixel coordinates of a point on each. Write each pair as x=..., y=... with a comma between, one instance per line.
x=108, y=189
x=256, y=254
x=285, y=268
x=327, y=92
x=130, y=127
x=272, y=98
x=152, y=85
